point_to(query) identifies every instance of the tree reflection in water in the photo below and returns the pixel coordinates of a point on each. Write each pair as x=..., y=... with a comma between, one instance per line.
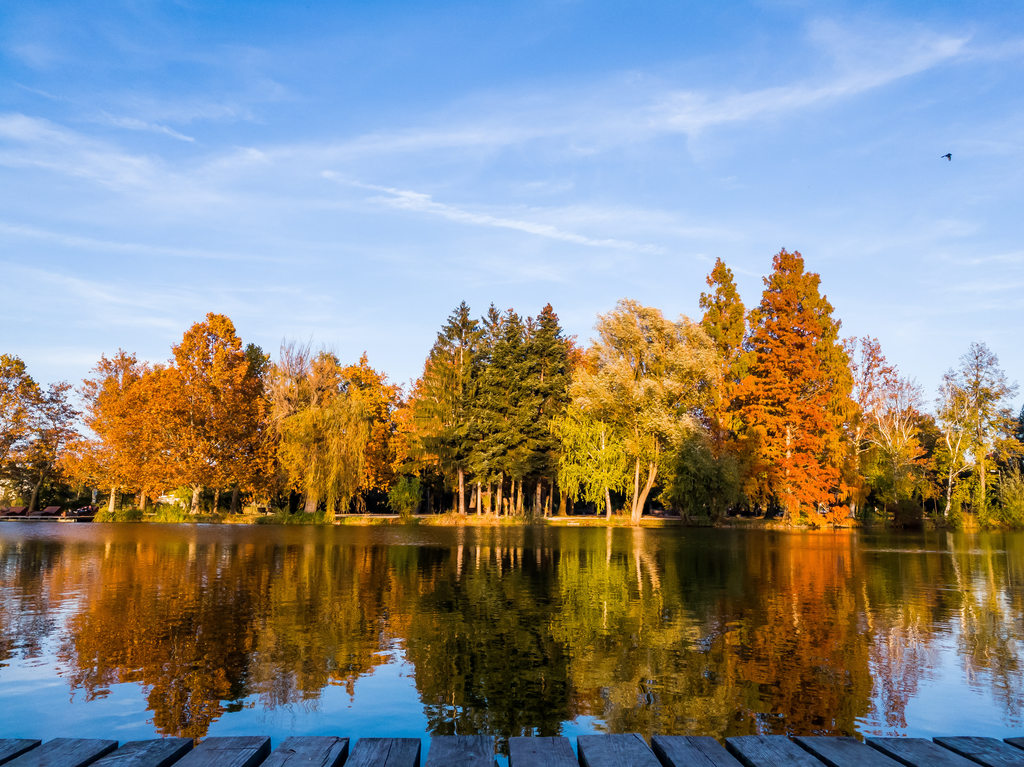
x=520, y=630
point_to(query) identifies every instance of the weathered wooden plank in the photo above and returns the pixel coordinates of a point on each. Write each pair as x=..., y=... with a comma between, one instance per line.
x=844, y=751
x=768, y=751
x=691, y=751
x=919, y=752
x=615, y=751
x=1018, y=742
x=65, y=752
x=237, y=751
x=540, y=752
x=309, y=751
x=988, y=751
x=461, y=751
x=385, y=752
x=159, y=752
x=12, y=747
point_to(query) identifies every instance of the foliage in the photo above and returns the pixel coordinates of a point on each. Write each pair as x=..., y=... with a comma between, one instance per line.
x=118, y=515
x=797, y=396
x=380, y=400
x=1011, y=498
x=404, y=496
x=592, y=459
x=703, y=484
x=283, y=517
x=975, y=421
x=170, y=513
x=322, y=427
x=214, y=409
x=651, y=380
x=18, y=393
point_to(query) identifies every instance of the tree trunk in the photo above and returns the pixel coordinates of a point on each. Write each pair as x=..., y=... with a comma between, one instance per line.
x=636, y=490
x=196, y=489
x=35, y=493
x=537, y=498
x=462, y=492
x=143, y=500
x=311, y=504
x=501, y=488
x=638, y=508
x=607, y=504
x=519, y=498
x=479, y=500
x=216, y=500
x=234, y=499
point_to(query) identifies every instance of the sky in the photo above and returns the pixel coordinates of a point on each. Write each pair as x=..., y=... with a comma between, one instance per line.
x=347, y=173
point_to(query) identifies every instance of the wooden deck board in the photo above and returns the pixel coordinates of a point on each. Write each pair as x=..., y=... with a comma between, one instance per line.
x=691, y=751
x=385, y=752
x=1018, y=742
x=844, y=751
x=159, y=752
x=615, y=751
x=527, y=751
x=769, y=751
x=919, y=752
x=991, y=752
x=461, y=751
x=237, y=751
x=65, y=752
x=309, y=751
x=12, y=747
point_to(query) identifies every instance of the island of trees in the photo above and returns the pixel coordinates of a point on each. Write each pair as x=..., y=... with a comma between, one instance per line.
x=766, y=412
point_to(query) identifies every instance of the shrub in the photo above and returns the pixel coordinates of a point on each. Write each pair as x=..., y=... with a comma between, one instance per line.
x=119, y=515
x=1011, y=498
x=170, y=513
x=404, y=496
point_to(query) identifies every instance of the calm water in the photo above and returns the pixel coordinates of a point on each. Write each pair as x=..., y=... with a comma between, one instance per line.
x=129, y=630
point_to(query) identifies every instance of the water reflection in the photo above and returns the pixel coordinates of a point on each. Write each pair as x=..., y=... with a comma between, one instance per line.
x=521, y=630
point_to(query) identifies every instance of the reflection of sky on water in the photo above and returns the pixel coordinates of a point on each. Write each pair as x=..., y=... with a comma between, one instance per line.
x=450, y=630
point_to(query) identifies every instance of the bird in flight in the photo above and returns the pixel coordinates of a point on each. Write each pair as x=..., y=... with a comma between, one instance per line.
x=947, y=156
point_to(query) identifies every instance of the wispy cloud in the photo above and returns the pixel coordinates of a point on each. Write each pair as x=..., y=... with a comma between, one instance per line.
x=135, y=124
x=112, y=247
x=404, y=199
x=44, y=144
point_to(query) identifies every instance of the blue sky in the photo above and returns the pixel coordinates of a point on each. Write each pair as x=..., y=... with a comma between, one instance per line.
x=348, y=172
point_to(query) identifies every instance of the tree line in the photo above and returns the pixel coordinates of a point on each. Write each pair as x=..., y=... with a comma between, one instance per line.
x=767, y=411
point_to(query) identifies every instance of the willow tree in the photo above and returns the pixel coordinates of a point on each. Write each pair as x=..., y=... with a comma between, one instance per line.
x=650, y=379
x=322, y=426
x=592, y=460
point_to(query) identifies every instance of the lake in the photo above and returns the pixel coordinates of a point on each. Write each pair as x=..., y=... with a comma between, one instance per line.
x=126, y=631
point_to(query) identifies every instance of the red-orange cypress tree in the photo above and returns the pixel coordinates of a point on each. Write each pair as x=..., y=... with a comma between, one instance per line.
x=797, y=397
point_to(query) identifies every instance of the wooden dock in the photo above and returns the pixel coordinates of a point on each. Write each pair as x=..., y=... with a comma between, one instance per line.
x=478, y=751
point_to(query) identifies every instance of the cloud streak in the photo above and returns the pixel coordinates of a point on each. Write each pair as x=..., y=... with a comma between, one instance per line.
x=418, y=202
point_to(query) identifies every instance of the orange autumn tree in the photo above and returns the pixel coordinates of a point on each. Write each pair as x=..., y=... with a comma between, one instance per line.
x=217, y=410
x=114, y=456
x=796, y=399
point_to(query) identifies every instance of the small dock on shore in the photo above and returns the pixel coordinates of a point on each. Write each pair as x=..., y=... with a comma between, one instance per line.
x=626, y=750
